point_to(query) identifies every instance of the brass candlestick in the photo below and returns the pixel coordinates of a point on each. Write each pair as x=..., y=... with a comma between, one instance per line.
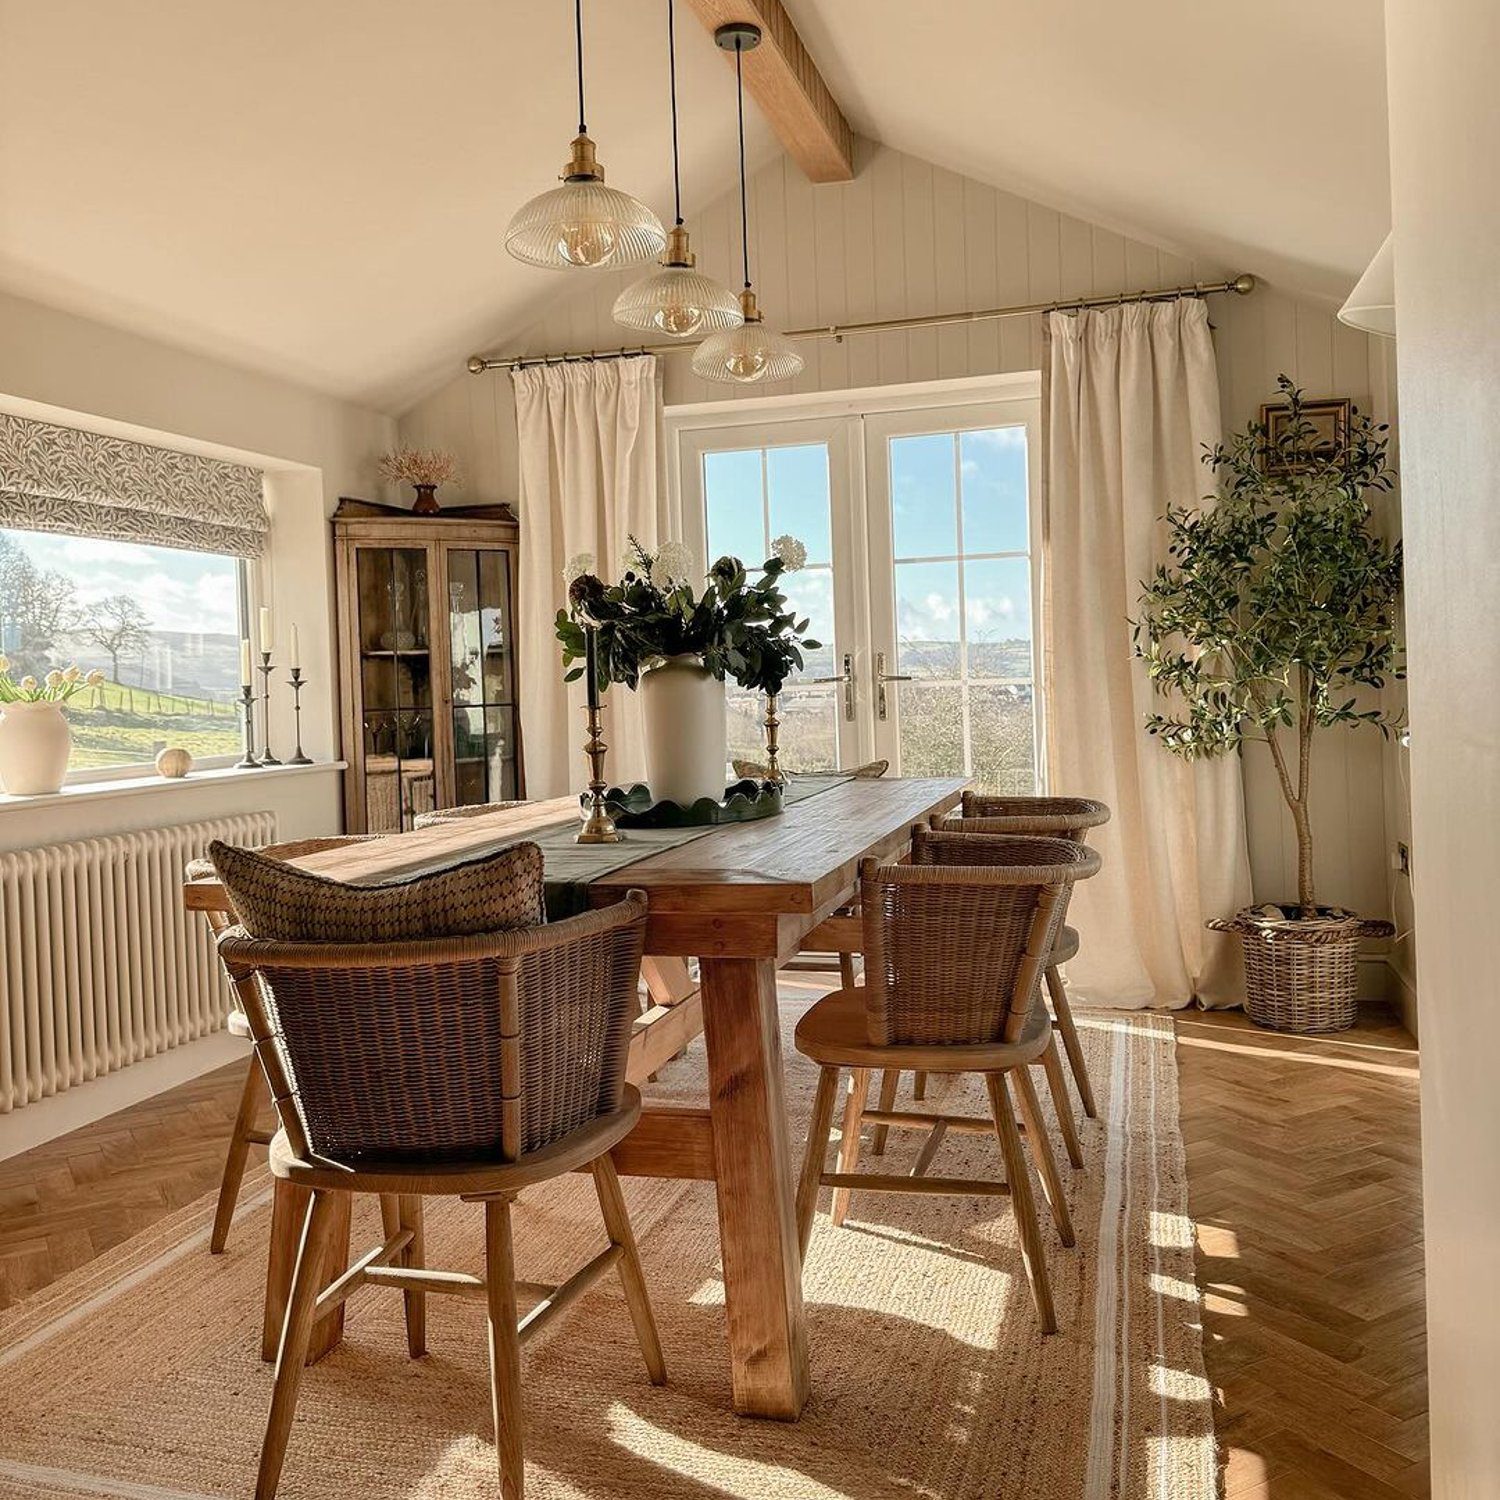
x=773, y=741
x=598, y=826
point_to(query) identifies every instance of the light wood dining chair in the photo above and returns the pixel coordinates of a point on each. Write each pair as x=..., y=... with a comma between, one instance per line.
x=466, y=1067
x=248, y=1129
x=1046, y=817
x=953, y=967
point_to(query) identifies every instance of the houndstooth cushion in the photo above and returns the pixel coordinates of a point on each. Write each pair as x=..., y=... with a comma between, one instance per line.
x=276, y=900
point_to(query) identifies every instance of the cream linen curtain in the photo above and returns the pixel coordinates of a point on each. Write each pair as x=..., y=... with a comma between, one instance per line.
x=1130, y=397
x=590, y=451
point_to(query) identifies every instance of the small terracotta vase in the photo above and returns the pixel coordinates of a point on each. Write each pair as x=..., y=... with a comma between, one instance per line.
x=426, y=502
x=35, y=742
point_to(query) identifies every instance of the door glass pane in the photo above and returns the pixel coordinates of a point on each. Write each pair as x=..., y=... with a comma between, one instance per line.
x=750, y=496
x=924, y=513
x=484, y=740
x=992, y=466
x=963, y=607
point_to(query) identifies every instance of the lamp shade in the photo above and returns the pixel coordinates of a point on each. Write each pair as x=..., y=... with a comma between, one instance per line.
x=677, y=300
x=750, y=353
x=1371, y=306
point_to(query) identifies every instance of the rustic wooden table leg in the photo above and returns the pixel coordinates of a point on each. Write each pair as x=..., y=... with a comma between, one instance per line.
x=288, y=1212
x=756, y=1188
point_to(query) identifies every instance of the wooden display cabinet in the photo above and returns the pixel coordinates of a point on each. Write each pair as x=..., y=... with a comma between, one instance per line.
x=427, y=661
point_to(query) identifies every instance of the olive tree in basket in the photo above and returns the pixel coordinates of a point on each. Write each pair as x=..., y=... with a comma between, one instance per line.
x=1274, y=619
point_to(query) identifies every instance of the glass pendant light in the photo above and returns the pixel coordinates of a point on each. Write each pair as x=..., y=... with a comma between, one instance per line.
x=583, y=224
x=751, y=352
x=677, y=300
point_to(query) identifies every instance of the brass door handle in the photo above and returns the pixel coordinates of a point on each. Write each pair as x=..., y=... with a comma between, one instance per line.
x=847, y=678
x=881, y=678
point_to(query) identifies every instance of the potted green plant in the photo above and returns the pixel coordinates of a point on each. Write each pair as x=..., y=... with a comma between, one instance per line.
x=660, y=632
x=1272, y=619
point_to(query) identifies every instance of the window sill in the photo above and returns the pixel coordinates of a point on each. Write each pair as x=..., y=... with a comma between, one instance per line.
x=134, y=786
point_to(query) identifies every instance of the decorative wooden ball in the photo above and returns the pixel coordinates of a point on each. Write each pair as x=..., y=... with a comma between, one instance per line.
x=173, y=762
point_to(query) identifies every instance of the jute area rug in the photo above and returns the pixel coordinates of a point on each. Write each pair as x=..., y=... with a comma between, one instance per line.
x=139, y=1376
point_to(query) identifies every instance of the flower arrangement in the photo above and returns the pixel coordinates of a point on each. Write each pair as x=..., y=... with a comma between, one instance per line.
x=58, y=686
x=419, y=466
x=742, y=629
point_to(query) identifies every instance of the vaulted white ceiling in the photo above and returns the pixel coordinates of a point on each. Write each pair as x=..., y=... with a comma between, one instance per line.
x=320, y=189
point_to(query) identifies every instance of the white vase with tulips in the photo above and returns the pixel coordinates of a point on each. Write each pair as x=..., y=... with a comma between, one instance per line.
x=35, y=741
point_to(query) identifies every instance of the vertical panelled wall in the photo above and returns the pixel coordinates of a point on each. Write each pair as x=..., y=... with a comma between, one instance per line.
x=906, y=238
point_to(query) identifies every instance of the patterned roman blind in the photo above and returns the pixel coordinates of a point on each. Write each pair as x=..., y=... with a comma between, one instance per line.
x=84, y=483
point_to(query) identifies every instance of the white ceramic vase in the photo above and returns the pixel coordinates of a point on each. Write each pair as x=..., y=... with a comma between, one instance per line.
x=686, y=736
x=35, y=742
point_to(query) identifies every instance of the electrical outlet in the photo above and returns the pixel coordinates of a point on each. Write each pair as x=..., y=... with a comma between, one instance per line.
x=1402, y=860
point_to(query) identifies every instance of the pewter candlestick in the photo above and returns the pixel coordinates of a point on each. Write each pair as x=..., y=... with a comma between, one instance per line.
x=298, y=683
x=265, y=669
x=248, y=762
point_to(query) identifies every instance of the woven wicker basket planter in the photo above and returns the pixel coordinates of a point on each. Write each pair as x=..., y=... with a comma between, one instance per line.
x=1301, y=973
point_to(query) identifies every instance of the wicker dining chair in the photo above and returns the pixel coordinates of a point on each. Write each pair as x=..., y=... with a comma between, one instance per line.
x=1048, y=817
x=467, y=1067
x=459, y=814
x=247, y=1130
x=953, y=965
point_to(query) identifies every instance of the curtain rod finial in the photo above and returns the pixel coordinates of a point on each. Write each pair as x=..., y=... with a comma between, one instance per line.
x=478, y=364
x=1244, y=283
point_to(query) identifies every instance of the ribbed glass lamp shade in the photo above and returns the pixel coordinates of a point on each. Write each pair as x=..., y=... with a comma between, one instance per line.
x=750, y=353
x=677, y=300
x=583, y=225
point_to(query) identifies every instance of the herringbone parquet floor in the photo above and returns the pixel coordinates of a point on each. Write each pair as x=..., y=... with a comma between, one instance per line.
x=1304, y=1173
x=1304, y=1176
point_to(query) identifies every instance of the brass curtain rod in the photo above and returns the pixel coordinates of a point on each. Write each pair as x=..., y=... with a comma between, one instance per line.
x=1242, y=284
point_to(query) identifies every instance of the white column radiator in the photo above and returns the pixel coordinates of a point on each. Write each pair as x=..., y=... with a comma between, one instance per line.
x=100, y=964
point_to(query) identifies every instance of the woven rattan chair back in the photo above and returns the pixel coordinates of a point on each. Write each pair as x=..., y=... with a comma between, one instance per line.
x=954, y=954
x=1050, y=817
x=460, y=814
x=453, y=1049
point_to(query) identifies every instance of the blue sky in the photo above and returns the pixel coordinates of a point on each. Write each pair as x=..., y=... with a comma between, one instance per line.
x=979, y=480
x=179, y=590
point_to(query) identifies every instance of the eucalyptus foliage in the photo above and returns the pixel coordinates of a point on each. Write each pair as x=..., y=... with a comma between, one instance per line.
x=742, y=629
x=1277, y=605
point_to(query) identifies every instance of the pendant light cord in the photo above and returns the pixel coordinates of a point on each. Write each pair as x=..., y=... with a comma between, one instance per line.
x=739, y=88
x=672, y=74
x=578, y=39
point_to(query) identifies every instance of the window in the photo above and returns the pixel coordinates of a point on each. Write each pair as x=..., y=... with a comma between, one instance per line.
x=162, y=624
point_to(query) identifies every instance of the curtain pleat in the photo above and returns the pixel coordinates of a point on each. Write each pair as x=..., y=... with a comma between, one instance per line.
x=1130, y=400
x=590, y=477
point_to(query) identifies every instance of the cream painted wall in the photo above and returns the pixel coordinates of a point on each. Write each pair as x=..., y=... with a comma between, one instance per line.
x=906, y=238
x=1445, y=139
x=314, y=449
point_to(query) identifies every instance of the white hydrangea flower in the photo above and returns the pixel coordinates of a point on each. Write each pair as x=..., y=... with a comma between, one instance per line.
x=4, y=663
x=28, y=684
x=672, y=564
x=71, y=674
x=54, y=678
x=577, y=566
x=791, y=552
x=95, y=678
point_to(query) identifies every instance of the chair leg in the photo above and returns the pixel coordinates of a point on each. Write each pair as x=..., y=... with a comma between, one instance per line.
x=317, y=1232
x=817, y=1147
x=888, y=1082
x=252, y=1096
x=919, y=1086
x=398, y=1212
x=854, y=1113
x=1064, y=1013
x=1018, y=1174
x=1062, y=1101
x=617, y=1222
x=1041, y=1153
x=505, y=1348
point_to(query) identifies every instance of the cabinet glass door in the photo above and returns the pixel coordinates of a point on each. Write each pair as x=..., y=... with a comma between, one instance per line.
x=395, y=665
x=484, y=681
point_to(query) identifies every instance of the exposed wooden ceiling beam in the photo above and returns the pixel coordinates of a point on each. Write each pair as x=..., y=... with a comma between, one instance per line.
x=784, y=81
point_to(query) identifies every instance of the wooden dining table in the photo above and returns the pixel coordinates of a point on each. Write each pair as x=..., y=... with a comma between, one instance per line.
x=739, y=899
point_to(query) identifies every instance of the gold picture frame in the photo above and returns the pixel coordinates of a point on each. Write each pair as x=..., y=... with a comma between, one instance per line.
x=1328, y=415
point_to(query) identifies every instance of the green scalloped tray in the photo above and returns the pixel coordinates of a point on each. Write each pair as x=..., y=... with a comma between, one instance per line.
x=743, y=802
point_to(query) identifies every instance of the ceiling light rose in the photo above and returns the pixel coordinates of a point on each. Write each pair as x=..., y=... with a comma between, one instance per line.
x=583, y=224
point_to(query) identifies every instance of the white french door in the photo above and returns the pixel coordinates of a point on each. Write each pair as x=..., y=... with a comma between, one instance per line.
x=920, y=521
